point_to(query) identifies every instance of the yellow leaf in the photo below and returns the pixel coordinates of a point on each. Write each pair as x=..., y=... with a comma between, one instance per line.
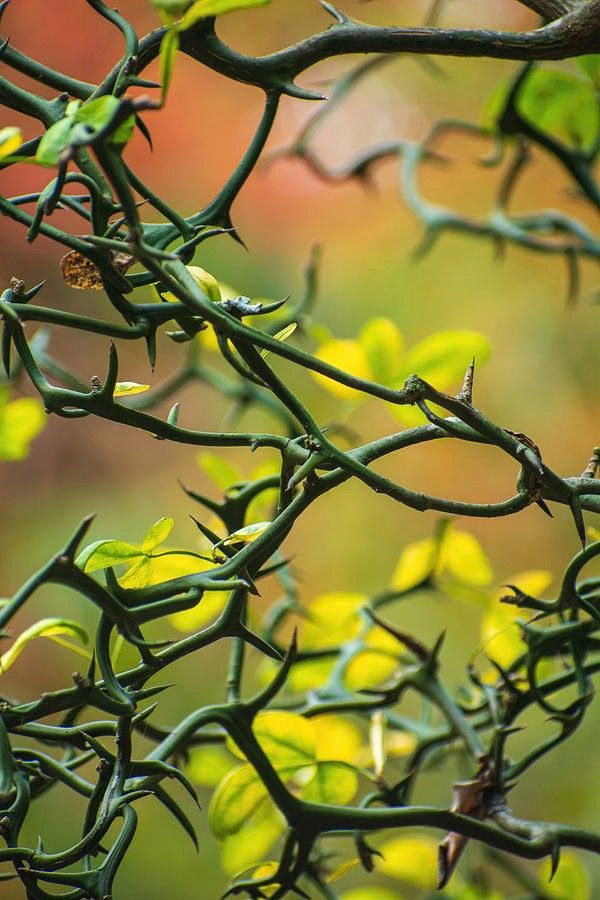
x=368, y=669
x=331, y=783
x=127, y=388
x=442, y=358
x=11, y=139
x=350, y=357
x=219, y=470
x=310, y=674
x=236, y=798
x=336, y=739
x=410, y=859
x=417, y=562
x=208, y=764
x=370, y=893
x=462, y=555
x=206, y=610
x=287, y=739
x=331, y=619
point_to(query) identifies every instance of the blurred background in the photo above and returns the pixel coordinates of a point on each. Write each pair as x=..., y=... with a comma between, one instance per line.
x=541, y=378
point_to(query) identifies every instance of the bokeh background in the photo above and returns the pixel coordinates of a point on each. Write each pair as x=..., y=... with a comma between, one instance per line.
x=542, y=377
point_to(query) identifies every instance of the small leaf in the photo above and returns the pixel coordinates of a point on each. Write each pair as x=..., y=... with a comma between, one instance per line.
x=169, y=47
x=368, y=669
x=332, y=783
x=417, y=563
x=156, y=569
x=336, y=739
x=11, y=139
x=202, y=8
x=48, y=628
x=157, y=534
x=102, y=554
x=54, y=141
x=244, y=535
x=332, y=618
x=98, y=112
x=282, y=335
x=128, y=388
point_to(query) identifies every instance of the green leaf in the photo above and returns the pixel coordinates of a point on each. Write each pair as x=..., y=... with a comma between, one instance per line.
x=128, y=388
x=590, y=64
x=20, y=422
x=54, y=141
x=383, y=345
x=169, y=47
x=97, y=113
x=11, y=139
x=202, y=8
x=571, y=882
x=287, y=739
x=236, y=798
x=47, y=628
x=157, y=534
x=556, y=102
x=442, y=358
x=102, y=554
x=332, y=782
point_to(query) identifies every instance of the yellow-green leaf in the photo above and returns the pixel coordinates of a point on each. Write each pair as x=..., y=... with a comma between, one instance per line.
x=236, y=798
x=156, y=569
x=102, y=554
x=208, y=764
x=252, y=843
x=11, y=139
x=383, y=345
x=368, y=669
x=53, y=628
x=168, y=54
x=410, y=859
x=443, y=357
x=202, y=8
x=204, y=280
x=20, y=422
x=128, y=388
x=244, y=535
x=571, y=882
x=282, y=335
x=336, y=739
x=332, y=783
x=157, y=534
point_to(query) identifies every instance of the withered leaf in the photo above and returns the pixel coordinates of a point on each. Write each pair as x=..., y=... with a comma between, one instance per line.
x=82, y=274
x=468, y=799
